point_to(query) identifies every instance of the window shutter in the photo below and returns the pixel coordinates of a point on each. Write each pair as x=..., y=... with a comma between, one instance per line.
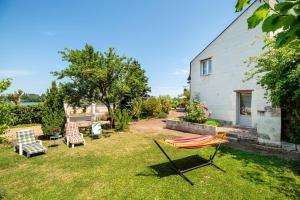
x=201, y=68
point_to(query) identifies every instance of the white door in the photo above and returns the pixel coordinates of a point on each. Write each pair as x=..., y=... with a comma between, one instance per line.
x=245, y=109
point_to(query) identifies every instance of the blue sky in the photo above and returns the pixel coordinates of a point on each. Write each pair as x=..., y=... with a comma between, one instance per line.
x=163, y=35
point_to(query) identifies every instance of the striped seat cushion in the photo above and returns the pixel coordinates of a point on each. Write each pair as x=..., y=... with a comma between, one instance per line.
x=33, y=148
x=75, y=139
x=197, y=142
x=25, y=137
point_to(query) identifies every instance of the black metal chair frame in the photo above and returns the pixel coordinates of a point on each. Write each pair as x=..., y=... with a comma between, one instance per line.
x=180, y=172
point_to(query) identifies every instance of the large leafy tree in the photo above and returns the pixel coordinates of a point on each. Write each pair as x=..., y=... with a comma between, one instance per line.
x=283, y=17
x=102, y=76
x=278, y=71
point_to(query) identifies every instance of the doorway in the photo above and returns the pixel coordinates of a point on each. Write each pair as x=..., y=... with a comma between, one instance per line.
x=244, y=109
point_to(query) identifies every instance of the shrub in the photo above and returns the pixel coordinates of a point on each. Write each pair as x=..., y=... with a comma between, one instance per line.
x=136, y=107
x=166, y=103
x=27, y=114
x=162, y=114
x=196, y=112
x=105, y=126
x=6, y=119
x=213, y=122
x=151, y=107
x=53, y=115
x=175, y=103
x=122, y=118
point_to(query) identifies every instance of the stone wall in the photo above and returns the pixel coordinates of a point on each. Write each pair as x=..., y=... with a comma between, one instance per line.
x=269, y=126
x=190, y=127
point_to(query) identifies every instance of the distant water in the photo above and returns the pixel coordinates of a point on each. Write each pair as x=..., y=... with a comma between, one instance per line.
x=29, y=103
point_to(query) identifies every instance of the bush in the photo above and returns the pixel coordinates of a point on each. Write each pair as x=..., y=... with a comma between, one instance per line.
x=196, y=112
x=136, y=107
x=27, y=114
x=53, y=115
x=151, y=107
x=213, y=122
x=105, y=126
x=162, y=115
x=175, y=103
x=166, y=103
x=122, y=118
x=6, y=119
x=294, y=132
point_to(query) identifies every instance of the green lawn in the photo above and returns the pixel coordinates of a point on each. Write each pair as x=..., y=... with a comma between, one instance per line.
x=129, y=166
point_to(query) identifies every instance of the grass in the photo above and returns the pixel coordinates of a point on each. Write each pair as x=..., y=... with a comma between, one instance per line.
x=213, y=122
x=25, y=125
x=130, y=166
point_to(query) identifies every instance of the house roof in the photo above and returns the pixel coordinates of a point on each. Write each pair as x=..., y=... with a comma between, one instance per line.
x=189, y=78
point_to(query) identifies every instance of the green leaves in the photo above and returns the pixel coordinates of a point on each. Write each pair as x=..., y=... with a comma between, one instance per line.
x=284, y=7
x=4, y=84
x=122, y=118
x=240, y=4
x=287, y=36
x=284, y=20
x=53, y=114
x=258, y=16
x=276, y=21
x=95, y=76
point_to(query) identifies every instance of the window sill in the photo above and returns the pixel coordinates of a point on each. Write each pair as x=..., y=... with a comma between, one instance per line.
x=205, y=74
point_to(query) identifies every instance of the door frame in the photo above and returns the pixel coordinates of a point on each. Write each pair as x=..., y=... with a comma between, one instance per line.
x=238, y=94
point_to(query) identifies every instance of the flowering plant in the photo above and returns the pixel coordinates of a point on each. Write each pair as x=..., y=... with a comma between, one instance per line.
x=56, y=130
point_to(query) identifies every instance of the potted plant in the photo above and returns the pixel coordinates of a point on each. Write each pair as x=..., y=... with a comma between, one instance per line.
x=56, y=131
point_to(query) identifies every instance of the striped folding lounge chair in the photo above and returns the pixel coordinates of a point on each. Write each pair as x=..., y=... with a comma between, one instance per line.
x=194, y=143
x=73, y=136
x=27, y=142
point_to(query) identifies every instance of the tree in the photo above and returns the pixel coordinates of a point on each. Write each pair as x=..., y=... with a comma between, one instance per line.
x=4, y=84
x=278, y=71
x=74, y=95
x=103, y=76
x=29, y=97
x=16, y=97
x=53, y=115
x=5, y=120
x=283, y=17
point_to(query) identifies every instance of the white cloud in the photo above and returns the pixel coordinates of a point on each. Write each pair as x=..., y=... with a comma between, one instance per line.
x=14, y=72
x=181, y=72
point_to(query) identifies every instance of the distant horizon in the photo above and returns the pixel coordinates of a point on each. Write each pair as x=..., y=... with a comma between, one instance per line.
x=162, y=35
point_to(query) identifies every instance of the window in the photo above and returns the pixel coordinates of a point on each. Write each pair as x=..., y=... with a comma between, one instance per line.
x=205, y=67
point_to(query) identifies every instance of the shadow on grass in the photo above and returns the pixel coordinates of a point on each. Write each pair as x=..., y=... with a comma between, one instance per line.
x=266, y=170
x=164, y=169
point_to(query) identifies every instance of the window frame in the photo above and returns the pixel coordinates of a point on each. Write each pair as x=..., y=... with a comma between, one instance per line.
x=206, y=67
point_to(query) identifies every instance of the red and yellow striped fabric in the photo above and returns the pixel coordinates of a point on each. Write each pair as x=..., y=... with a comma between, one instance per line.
x=197, y=142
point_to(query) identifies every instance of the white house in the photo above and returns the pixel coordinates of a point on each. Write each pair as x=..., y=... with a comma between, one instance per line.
x=217, y=74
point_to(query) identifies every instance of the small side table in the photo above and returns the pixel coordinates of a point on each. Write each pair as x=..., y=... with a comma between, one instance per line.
x=54, y=138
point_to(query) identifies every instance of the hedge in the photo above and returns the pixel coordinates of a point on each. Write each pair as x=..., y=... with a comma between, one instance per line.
x=27, y=114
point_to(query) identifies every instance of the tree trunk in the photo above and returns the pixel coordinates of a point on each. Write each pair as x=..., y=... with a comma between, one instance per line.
x=110, y=114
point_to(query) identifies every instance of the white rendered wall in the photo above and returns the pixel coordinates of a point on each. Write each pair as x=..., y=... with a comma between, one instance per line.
x=229, y=53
